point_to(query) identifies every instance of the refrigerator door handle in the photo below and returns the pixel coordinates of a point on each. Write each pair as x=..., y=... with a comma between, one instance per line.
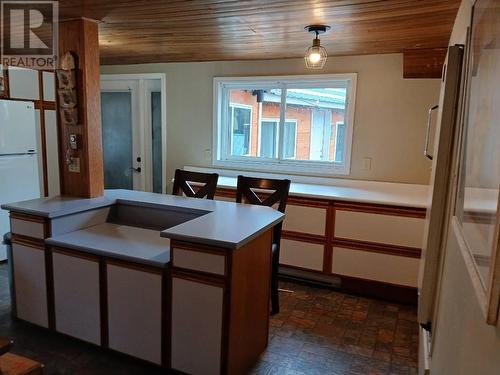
x=427, y=132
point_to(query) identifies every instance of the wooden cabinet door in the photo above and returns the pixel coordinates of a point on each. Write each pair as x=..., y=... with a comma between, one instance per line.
x=135, y=312
x=30, y=284
x=76, y=296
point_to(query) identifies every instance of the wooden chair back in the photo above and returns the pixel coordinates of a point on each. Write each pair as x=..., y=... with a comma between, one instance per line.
x=183, y=180
x=278, y=194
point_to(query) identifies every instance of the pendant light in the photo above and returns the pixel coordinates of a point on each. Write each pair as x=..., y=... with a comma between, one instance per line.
x=316, y=55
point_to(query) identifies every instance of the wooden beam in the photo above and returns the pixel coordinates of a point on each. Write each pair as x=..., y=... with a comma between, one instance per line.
x=80, y=37
x=423, y=63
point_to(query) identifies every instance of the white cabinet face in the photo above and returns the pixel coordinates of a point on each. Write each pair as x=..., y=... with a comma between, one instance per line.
x=196, y=327
x=305, y=219
x=375, y=266
x=76, y=297
x=134, y=312
x=387, y=229
x=23, y=84
x=199, y=261
x=302, y=254
x=27, y=228
x=30, y=284
x=49, y=89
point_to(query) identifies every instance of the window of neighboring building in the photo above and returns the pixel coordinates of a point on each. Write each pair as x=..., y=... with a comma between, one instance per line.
x=317, y=114
x=339, y=141
x=268, y=140
x=241, y=120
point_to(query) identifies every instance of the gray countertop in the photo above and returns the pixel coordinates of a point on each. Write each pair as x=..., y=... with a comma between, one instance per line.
x=124, y=242
x=227, y=224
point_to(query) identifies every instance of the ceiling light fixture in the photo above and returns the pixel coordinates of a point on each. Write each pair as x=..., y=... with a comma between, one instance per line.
x=316, y=55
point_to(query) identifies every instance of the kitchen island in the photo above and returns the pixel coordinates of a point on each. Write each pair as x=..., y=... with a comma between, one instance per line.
x=180, y=282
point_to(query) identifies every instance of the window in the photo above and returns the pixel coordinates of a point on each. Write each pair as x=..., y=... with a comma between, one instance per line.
x=290, y=124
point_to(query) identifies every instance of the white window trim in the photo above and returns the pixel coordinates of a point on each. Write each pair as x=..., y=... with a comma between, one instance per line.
x=244, y=106
x=282, y=165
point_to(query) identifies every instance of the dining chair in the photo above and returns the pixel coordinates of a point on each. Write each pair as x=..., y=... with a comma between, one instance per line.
x=276, y=194
x=205, y=184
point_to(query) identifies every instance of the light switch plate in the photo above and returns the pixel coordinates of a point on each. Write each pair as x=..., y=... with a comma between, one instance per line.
x=75, y=165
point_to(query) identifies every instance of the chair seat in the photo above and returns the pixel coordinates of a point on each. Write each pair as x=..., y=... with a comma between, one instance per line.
x=274, y=247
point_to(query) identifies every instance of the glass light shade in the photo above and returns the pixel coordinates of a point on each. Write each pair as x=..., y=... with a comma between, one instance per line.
x=316, y=56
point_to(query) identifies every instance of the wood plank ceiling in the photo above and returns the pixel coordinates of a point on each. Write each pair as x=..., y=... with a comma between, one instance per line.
x=140, y=31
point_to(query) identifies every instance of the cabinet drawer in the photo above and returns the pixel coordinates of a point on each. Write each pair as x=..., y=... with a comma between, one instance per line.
x=77, y=297
x=30, y=284
x=375, y=266
x=302, y=254
x=381, y=228
x=197, y=311
x=134, y=312
x=303, y=219
x=27, y=228
x=199, y=261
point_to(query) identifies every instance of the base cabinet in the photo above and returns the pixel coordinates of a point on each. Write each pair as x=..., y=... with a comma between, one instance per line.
x=386, y=268
x=77, y=296
x=135, y=312
x=303, y=255
x=30, y=284
x=197, y=311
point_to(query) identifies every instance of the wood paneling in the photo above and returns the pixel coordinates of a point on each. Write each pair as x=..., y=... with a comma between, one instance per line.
x=80, y=37
x=423, y=63
x=249, y=313
x=143, y=31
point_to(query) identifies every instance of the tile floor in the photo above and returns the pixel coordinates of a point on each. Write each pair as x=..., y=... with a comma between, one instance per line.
x=318, y=331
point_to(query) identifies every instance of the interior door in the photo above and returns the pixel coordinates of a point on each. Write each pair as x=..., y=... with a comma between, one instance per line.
x=121, y=136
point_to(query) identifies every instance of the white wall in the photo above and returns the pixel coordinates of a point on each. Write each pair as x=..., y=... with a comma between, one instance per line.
x=389, y=121
x=463, y=342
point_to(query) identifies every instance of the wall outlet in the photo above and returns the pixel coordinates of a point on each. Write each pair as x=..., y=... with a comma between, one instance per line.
x=366, y=164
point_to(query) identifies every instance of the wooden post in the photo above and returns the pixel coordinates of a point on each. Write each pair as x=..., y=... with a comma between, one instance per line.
x=85, y=177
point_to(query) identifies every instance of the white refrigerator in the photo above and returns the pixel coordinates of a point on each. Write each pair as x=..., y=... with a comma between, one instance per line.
x=19, y=179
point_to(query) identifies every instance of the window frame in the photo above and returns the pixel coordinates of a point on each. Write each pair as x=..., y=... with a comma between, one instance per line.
x=221, y=155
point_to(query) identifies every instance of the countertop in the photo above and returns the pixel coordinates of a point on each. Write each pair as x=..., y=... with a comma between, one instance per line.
x=133, y=244
x=404, y=195
x=386, y=193
x=227, y=224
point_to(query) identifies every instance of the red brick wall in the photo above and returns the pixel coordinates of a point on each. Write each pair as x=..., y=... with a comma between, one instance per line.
x=302, y=115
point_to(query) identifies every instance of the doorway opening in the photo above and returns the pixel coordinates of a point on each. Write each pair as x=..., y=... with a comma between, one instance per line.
x=134, y=132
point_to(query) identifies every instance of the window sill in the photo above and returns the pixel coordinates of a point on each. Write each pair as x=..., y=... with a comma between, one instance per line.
x=286, y=166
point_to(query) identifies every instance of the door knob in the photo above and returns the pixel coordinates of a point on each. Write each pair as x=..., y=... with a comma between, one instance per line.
x=136, y=170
